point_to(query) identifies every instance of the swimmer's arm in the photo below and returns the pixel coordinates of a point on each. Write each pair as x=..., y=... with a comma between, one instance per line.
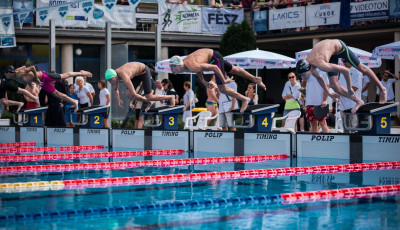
x=200, y=75
x=116, y=93
x=26, y=93
x=215, y=69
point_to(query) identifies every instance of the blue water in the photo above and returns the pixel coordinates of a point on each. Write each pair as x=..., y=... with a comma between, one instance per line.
x=366, y=213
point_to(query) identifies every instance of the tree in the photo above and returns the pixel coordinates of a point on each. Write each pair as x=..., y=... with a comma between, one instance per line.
x=238, y=38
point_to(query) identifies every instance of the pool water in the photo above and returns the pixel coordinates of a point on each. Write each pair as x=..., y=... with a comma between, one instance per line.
x=362, y=213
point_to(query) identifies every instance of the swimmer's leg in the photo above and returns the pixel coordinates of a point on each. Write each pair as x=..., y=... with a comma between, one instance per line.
x=230, y=92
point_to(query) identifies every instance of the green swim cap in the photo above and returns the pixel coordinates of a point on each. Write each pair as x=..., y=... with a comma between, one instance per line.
x=110, y=73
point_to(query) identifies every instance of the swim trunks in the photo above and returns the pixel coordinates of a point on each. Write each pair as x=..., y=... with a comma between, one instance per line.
x=223, y=65
x=211, y=103
x=145, y=78
x=346, y=54
x=46, y=82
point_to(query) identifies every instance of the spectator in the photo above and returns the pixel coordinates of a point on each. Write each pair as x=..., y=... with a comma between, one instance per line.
x=364, y=91
x=83, y=93
x=88, y=86
x=226, y=105
x=212, y=100
x=34, y=89
x=216, y=3
x=184, y=2
x=315, y=96
x=291, y=94
x=188, y=101
x=137, y=106
x=159, y=91
x=55, y=116
x=387, y=82
x=2, y=107
x=69, y=106
x=104, y=97
x=251, y=93
x=263, y=3
x=235, y=4
x=169, y=90
x=346, y=103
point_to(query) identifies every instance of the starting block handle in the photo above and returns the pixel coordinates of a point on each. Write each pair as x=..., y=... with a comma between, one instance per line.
x=369, y=126
x=152, y=125
x=250, y=125
x=83, y=122
x=24, y=119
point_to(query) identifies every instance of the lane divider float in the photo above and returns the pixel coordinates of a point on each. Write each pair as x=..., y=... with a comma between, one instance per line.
x=80, y=148
x=191, y=177
x=29, y=150
x=177, y=206
x=19, y=158
x=10, y=170
x=17, y=144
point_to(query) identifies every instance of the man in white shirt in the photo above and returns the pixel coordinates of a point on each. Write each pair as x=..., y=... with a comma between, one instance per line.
x=226, y=105
x=346, y=103
x=364, y=91
x=315, y=96
x=388, y=84
x=159, y=91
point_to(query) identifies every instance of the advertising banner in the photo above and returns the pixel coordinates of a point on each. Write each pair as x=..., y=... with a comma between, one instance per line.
x=287, y=18
x=65, y=16
x=323, y=14
x=216, y=21
x=120, y=17
x=394, y=7
x=369, y=10
x=260, y=21
x=7, y=32
x=21, y=5
x=181, y=18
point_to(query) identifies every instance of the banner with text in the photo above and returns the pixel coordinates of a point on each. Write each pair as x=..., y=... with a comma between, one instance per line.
x=7, y=32
x=369, y=10
x=323, y=14
x=394, y=8
x=287, y=18
x=74, y=16
x=181, y=18
x=260, y=20
x=216, y=21
x=121, y=16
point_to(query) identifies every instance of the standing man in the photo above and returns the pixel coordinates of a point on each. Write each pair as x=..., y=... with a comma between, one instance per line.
x=226, y=105
x=325, y=56
x=210, y=60
x=387, y=82
x=364, y=90
x=44, y=79
x=159, y=91
x=137, y=72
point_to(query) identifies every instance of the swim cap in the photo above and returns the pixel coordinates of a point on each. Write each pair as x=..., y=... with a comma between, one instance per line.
x=110, y=73
x=9, y=69
x=175, y=60
x=302, y=66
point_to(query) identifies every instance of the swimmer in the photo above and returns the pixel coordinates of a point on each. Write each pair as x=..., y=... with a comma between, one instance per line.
x=325, y=56
x=138, y=72
x=6, y=86
x=44, y=79
x=210, y=60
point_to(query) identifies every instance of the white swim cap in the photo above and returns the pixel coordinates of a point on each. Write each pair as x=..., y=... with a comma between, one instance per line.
x=175, y=60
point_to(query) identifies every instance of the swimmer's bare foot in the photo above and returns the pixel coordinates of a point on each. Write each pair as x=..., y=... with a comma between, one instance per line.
x=86, y=73
x=382, y=96
x=359, y=103
x=20, y=104
x=148, y=106
x=260, y=83
x=172, y=101
x=245, y=103
x=76, y=105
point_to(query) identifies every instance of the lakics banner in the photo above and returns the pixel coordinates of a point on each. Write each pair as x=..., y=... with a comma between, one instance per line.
x=181, y=18
x=293, y=17
x=369, y=10
x=323, y=14
x=216, y=21
x=75, y=17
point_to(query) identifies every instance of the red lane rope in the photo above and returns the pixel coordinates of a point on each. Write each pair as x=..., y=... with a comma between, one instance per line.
x=29, y=150
x=17, y=144
x=347, y=193
x=80, y=148
x=132, y=164
x=89, y=155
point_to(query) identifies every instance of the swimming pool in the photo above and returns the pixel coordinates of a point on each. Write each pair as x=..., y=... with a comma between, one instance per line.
x=168, y=205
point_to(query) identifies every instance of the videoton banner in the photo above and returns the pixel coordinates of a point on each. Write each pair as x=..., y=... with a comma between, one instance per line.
x=368, y=10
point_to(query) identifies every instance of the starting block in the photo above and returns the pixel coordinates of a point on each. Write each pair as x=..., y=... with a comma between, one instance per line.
x=91, y=117
x=30, y=117
x=373, y=118
x=256, y=117
x=169, y=116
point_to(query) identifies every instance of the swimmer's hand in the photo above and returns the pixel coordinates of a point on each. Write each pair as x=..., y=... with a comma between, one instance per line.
x=86, y=73
x=228, y=80
x=334, y=96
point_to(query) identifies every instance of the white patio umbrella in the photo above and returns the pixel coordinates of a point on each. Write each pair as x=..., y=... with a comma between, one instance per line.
x=387, y=51
x=365, y=57
x=258, y=59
